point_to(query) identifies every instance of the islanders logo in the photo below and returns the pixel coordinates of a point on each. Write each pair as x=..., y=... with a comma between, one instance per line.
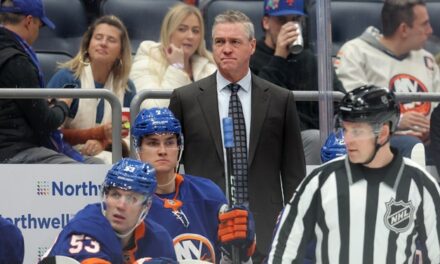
x=194, y=246
x=406, y=83
x=399, y=216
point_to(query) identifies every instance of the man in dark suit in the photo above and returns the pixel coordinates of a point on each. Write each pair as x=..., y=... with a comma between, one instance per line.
x=275, y=156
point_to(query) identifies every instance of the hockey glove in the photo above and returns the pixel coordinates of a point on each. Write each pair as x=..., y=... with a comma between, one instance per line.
x=237, y=228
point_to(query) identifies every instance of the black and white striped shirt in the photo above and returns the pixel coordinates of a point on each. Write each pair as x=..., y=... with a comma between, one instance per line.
x=361, y=215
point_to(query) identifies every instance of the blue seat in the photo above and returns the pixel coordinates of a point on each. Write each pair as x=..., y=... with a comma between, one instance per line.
x=253, y=9
x=350, y=19
x=70, y=19
x=49, y=62
x=143, y=18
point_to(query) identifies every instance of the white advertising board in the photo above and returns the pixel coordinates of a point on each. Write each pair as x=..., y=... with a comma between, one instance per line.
x=41, y=199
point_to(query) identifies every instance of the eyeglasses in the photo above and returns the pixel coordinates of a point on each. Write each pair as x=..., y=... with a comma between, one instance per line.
x=129, y=198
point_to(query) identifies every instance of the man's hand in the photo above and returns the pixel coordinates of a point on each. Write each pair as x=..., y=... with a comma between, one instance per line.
x=414, y=121
x=287, y=35
x=237, y=228
x=92, y=147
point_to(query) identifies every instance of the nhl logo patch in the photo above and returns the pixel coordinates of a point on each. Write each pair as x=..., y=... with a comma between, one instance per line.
x=399, y=215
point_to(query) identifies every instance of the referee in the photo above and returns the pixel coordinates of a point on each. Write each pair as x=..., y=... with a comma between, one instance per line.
x=369, y=206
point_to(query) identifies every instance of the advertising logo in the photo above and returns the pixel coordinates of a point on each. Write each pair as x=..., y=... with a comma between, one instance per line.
x=43, y=188
x=30, y=221
x=60, y=188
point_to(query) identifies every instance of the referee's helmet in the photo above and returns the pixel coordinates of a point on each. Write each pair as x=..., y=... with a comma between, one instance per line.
x=371, y=104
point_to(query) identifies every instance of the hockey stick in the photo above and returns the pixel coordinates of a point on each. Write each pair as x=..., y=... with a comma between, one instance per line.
x=228, y=141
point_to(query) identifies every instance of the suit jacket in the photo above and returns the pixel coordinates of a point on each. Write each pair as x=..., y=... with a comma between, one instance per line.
x=276, y=158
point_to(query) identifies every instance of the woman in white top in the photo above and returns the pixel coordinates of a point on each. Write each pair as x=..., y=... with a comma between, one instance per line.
x=178, y=59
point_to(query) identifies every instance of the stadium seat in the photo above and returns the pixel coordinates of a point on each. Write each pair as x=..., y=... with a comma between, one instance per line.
x=350, y=19
x=49, y=62
x=253, y=9
x=143, y=18
x=70, y=19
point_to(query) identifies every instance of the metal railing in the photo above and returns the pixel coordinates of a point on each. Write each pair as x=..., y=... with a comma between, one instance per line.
x=25, y=93
x=135, y=105
x=299, y=96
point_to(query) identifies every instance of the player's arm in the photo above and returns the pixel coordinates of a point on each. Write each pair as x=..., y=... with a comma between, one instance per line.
x=82, y=248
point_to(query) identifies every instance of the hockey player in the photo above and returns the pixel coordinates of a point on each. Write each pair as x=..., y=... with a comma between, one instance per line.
x=192, y=209
x=369, y=206
x=115, y=230
x=11, y=243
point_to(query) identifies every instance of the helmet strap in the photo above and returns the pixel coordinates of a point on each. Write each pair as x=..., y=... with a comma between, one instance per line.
x=376, y=149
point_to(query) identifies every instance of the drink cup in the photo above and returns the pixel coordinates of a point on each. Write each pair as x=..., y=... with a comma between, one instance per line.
x=298, y=45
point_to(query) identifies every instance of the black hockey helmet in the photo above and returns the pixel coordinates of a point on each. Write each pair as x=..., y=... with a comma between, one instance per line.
x=371, y=104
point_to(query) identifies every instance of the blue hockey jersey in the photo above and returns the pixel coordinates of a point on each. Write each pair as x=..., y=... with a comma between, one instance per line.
x=11, y=243
x=89, y=237
x=190, y=215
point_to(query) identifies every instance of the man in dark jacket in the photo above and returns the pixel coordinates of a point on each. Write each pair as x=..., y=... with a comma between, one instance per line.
x=273, y=61
x=26, y=123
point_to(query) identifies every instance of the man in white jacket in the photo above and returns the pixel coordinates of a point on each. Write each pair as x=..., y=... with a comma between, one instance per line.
x=396, y=59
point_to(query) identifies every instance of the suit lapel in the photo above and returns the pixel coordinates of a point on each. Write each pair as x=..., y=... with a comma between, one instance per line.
x=208, y=102
x=259, y=107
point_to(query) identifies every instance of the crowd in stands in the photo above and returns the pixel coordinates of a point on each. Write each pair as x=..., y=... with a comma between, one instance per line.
x=239, y=76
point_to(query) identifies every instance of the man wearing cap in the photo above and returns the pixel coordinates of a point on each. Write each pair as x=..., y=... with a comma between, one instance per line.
x=25, y=123
x=273, y=61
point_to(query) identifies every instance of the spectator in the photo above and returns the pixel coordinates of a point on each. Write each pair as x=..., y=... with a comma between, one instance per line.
x=179, y=59
x=396, y=60
x=11, y=243
x=369, y=206
x=189, y=207
x=269, y=142
x=26, y=124
x=273, y=61
x=116, y=230
x=103, y=62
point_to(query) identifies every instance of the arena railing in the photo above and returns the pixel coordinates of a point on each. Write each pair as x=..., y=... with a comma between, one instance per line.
x=25, y=93
x=299, y=96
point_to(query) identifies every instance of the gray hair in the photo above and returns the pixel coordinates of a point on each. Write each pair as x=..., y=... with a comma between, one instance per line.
x=234, y=16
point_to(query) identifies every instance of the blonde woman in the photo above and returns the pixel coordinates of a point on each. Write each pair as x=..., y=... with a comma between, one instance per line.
x=178, y=59
x=103, y=62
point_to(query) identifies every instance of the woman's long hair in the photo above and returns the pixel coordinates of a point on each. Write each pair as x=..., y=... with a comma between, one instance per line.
x=174, y=18
x=121, y=67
